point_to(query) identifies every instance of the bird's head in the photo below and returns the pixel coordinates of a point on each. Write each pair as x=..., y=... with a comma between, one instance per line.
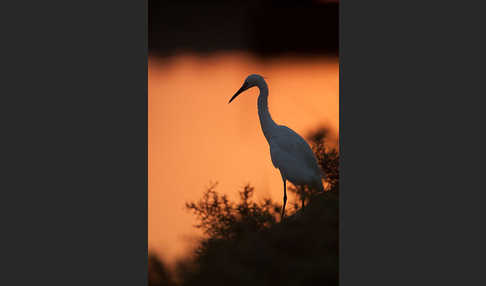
x=251, y=81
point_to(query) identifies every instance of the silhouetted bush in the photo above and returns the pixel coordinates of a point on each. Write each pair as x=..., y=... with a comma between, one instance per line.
x=158, y=274
x=245, y=243
x=221, y=219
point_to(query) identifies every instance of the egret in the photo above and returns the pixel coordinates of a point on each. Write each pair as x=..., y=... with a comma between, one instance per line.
x=290, y=153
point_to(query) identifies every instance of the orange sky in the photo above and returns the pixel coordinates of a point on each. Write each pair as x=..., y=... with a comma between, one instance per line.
x=195, y=137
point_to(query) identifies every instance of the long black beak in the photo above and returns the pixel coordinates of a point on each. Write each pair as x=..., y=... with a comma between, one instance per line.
x=243, y=88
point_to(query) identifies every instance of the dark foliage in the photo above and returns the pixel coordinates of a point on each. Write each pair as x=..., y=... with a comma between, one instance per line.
x=328, y=158
x=257, y=250
x=246, y=244
x=221, y=219
x=158, y=273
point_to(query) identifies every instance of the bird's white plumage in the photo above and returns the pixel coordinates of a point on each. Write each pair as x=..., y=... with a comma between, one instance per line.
x=294, y=158
x=289, y=152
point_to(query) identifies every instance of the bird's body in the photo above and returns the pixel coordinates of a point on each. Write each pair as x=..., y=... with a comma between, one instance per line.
x=290, y=153
x=294, y=158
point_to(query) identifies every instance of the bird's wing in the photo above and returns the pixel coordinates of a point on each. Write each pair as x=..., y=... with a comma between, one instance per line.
x=293, y=145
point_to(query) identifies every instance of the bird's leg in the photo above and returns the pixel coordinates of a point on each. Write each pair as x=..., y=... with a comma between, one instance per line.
x=302, y=197
x=284, y=199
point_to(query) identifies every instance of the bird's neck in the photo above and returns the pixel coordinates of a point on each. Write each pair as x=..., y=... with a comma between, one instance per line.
x=266, y=121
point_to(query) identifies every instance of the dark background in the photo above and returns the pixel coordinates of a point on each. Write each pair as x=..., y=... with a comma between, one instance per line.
x=264, y=28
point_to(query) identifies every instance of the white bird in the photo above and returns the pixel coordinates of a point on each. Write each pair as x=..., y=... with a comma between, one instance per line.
x=290, y=153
